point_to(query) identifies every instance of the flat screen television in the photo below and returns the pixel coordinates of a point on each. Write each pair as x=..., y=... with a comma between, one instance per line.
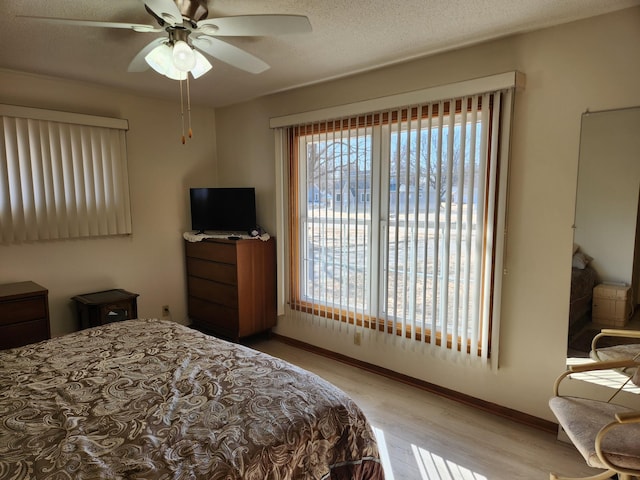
x=223, y=209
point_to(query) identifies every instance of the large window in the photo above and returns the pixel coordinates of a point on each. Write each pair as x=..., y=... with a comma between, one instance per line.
x=394, y=219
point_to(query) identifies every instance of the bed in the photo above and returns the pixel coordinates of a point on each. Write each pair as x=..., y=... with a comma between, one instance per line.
x=152, y=399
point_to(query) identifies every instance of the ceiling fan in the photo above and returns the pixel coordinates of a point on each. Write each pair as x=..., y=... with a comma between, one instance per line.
x=187, y=26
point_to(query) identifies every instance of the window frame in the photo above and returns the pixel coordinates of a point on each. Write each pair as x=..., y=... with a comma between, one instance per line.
x=371, y=319
x=509, y=84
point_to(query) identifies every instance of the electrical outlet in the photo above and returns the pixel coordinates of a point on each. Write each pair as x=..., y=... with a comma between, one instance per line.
x=165, y=311
x=357, y=338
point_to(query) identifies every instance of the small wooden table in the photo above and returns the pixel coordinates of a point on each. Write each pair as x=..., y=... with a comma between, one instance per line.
x=99, y=308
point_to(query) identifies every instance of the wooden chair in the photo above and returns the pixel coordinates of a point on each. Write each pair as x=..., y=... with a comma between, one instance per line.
x=606, y=434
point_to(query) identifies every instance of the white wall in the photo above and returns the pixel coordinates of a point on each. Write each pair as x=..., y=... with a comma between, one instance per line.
x=591, y=64
x=150, y=262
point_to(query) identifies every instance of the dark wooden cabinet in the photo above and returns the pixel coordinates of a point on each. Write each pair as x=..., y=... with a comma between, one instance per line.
x=108, y=306
x=231, y=286
x=24, y=314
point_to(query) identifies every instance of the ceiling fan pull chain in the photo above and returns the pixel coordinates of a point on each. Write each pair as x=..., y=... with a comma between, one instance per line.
x=182, y=113
x=189, y=106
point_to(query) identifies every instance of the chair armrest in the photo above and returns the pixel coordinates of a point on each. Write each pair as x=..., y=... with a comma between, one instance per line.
x=614, y=332
x=629, y=417
x=610, y=365
x=589, y=367
x=620, y=420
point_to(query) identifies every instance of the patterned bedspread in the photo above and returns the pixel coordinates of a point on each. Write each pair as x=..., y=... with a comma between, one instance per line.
x=151, y=399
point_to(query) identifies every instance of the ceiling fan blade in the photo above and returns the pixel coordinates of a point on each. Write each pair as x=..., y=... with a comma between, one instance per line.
x=227, y=53
x=255, y=25
x=138, y=63
x=138, y=27
x=165, y=9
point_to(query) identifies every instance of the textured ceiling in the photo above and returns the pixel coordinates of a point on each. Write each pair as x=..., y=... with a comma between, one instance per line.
x=348, y=36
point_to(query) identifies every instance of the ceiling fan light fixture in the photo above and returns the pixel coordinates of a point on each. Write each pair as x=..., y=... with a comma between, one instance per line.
x=161, y=60
x=202, y=65
x=175, y=74
x=184, y=58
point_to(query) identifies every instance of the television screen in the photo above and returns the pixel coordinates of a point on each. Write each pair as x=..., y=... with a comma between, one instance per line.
x=223, y=209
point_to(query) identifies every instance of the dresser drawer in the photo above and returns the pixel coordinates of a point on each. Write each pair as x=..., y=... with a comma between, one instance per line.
x=214, y=317
x=18, y=334
x=15, y=311
x=223, y=252
x=213, y=291
x=218, y=272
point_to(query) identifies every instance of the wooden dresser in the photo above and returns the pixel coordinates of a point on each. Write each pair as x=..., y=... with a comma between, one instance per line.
x=231, y=286
x=24, y=314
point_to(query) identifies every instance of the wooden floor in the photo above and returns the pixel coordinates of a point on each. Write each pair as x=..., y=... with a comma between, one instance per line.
x=426, y=437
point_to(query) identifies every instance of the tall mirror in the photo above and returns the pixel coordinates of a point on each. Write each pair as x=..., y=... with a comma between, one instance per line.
x=606, y=257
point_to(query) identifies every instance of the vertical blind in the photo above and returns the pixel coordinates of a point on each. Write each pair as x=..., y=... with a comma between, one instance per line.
x=62, y=176
x=439, y=228
x=395, y=221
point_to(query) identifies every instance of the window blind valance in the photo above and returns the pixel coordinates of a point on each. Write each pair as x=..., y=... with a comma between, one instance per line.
x=470, y=87
x=63, y=117
x=62, y=175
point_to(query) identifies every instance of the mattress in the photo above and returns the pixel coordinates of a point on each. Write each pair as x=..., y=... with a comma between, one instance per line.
x=151, y=399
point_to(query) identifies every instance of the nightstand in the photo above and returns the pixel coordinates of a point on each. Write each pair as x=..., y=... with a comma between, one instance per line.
x=99, y=308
